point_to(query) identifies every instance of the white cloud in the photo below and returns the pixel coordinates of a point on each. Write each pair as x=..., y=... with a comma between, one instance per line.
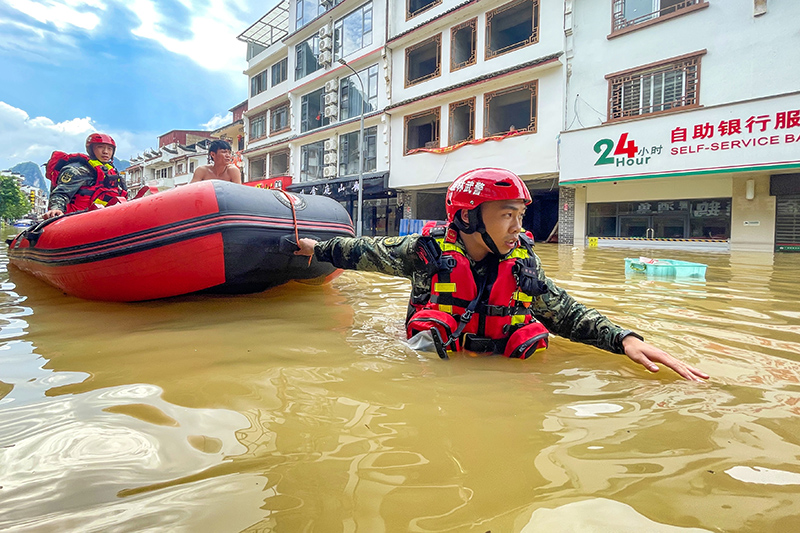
x=23, y=138
x=218, y=121
x=213, y=27
x=77, y=13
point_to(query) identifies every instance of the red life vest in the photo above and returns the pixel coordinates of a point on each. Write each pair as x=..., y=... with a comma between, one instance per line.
x=105, y=190
x=453, y=289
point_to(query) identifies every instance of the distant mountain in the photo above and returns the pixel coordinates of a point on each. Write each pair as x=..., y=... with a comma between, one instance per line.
x=121, y=164
x=33, y=175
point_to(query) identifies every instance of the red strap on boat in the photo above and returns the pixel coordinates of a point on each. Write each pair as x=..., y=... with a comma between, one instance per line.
x=294, y=220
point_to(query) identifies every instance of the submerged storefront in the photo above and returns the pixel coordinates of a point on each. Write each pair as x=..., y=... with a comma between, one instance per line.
x=724, y=177
x=380, y=211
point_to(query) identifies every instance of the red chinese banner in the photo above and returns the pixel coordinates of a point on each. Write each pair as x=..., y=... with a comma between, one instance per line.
x=281, y=182
x=447, y=149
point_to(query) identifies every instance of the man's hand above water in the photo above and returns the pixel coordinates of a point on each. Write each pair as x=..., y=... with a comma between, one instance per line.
x=648, y=355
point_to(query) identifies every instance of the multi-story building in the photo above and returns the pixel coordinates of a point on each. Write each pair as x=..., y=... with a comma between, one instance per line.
x=172, y=164
x=37, y=199
x=682, y=124
x=476, y=84
x=312, y=64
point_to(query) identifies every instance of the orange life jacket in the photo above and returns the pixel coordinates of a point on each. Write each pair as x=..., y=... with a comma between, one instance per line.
x=491, y=319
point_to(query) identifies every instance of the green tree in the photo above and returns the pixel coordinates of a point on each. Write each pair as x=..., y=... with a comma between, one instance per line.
x=13, y=203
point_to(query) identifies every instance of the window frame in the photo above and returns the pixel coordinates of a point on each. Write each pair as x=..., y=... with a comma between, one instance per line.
x=263, y=160
x=367, y=77
x=338, y=30
x=437, y=111
x=430, y=5
x=283, y=66
x=288, y=154
x=288, y=125
x=620, y=25
x=304, y=157
x=414, y=47
x=261, y=79
x=533, y=39
x=451, y=109
x=314, y=52
x=533, y=86
x=305, y=115
x=454, y=66
x=619, y=78
x=251, y=121
x=370, y=138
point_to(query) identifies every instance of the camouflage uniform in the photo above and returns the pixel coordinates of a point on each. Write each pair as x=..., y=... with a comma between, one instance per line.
x=559, y=312
x=71, y=179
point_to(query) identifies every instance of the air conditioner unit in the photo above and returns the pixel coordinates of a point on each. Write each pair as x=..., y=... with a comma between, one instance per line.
x=331, y=158
x=331, y=111
x=325, y=44
x=330, y=144
x=329, y=172
x=331, y=86
x=330, y=98
x=327, y=4
x=325, y=58
x=324, y=31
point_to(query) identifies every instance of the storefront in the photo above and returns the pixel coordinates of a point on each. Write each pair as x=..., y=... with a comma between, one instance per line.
x=381, y=213
x=702, y=179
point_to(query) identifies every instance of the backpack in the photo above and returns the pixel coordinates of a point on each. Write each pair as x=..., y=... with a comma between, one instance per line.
x=57, y=161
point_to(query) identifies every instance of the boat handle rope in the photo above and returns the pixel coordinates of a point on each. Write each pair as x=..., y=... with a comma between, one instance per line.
x=290, y=201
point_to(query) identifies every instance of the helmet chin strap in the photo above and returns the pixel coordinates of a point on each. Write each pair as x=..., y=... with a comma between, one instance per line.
x=476, y=224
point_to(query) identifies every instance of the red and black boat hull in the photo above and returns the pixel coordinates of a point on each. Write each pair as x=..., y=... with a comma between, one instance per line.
x=211, y=236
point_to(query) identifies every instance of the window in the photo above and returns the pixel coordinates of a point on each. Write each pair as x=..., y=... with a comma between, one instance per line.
x=279, y=164
x=423, y=60
x=258, y=127
x=655, y=88
x=415, y=7
x=708, y=218
x=258, y=83
x=511, y=109
x=311, y=111
x=279, y=71
x=462, y=44
x=311, y=161
x=253, y=49
x=350, y=97
x=279, y=118
x=511, y=26
x=462, y=121
x=257, y=168
x=180, y=168
x=307, y=57
x=353, y=32
x=349, y=153
x=308, y=10
x=422, y=130
x=626, y=13
x=191, y=166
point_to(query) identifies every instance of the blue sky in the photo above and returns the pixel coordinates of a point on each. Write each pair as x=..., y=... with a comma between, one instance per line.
x=131, y=68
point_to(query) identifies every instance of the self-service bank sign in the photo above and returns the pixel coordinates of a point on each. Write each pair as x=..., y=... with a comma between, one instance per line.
x=761, y=134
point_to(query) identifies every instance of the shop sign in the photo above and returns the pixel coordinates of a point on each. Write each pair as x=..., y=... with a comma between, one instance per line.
x=280, y=182
x=752, y=135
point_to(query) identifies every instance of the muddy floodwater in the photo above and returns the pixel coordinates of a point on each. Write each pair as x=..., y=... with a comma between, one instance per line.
x=301, y=409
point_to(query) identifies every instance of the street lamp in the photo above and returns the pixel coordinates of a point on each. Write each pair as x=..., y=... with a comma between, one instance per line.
x=360, y=222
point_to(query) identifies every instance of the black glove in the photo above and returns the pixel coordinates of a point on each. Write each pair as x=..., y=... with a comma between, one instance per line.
x=527, y=277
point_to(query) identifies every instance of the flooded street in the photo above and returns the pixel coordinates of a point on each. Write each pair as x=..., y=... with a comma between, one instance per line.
x=301, y=409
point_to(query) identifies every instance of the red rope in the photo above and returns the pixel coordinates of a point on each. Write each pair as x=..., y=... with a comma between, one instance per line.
x=294, y=221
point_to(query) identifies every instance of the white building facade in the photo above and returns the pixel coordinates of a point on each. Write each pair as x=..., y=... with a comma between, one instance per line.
x=682, y=124
x=302, y=125
x=476, y=84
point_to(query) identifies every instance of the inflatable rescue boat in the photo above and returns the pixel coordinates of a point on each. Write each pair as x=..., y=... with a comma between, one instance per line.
x=211, y=236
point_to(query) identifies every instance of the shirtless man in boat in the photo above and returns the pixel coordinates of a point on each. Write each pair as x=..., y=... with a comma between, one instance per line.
x=220, y=167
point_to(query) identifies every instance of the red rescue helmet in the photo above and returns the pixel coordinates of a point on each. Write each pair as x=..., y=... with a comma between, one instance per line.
x=99, y=138
x=474, y=187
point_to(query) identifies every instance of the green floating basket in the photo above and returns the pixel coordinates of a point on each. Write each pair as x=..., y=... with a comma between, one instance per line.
x=665, y=268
